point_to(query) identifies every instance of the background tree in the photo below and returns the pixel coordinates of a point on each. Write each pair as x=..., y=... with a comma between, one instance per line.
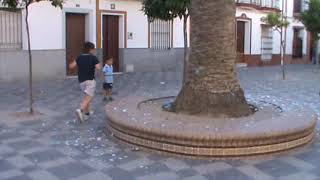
x=168, y=10
x=211, y=86
x=279, y=24
x=311, y=19
x=24, y=4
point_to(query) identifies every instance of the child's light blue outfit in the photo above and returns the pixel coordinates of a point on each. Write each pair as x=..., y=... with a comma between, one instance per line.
x=108, y=73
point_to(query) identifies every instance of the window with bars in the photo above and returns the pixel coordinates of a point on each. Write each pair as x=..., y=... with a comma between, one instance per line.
x=266, y=43
x=160, y=34
x=10, y=30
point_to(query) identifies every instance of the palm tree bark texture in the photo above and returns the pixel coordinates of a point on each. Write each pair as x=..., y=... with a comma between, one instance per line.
x=211, y=86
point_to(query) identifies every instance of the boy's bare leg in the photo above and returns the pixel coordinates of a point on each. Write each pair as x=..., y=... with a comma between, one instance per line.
x=87, y=110
x=85, y=104
x=84, y=107
x=110, y=94
x=105, y=95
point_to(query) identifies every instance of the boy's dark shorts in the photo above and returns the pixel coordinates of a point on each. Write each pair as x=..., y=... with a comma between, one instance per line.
x=107, y=86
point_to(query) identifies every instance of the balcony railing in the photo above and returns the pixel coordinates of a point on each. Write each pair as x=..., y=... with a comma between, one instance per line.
x=260, y=4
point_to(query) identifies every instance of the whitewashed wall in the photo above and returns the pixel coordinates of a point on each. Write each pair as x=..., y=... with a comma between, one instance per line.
x=47, y=27
x=255, y=35
x=256, y=16
x=138, y=23
x=294, y=23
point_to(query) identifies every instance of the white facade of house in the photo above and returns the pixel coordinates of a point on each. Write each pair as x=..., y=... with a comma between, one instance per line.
x=138, y=23
x=45, y=19
x=254, y=36
x=47, y=24
x=295, y=23
x=47, y=32
x=48, y=38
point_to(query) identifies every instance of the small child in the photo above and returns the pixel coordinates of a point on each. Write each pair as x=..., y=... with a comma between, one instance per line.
x=108, y=76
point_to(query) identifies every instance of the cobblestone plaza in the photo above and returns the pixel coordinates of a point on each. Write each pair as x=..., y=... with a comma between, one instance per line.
x=54, y=147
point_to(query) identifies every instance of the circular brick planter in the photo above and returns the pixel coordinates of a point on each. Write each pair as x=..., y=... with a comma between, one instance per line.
x=143, y=123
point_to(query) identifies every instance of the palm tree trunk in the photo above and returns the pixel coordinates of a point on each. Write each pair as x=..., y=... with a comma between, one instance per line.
x=211, y=86
x=31, y=111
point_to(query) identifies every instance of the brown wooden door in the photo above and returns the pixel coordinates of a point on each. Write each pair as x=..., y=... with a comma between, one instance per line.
x=75, y=38
x=240, y=41
x=297, y=6
x=111, y=40
x=311, y=46
x=297, y=44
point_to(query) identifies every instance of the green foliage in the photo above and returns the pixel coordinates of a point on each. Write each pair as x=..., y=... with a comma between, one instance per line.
x=14, y=4
x=166, y=9
x=276, y=21
x=311, y=18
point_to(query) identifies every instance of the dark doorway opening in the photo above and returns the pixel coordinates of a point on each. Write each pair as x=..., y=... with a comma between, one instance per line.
x=111, y=40
x=297, y=43
x=240, y=41
x=75, y=38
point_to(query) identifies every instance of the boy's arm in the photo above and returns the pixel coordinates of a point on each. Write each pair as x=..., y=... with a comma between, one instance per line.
x=98, y=67
x=73, y=64
x=97, y=63
x=99, y=70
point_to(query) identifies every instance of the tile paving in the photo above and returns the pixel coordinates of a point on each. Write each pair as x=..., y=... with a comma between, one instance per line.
x=54, y=147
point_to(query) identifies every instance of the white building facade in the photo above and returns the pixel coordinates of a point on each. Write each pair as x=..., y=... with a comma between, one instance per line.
x=121, y=30
x=258, y=44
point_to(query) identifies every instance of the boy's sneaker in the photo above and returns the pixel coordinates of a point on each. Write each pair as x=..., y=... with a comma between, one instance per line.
x=105, y=99
x=86, y=117
x=111, y=99
x=80, y=115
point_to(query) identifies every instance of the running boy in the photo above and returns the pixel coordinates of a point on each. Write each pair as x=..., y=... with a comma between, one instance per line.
x=108, y=76
x=87, y=63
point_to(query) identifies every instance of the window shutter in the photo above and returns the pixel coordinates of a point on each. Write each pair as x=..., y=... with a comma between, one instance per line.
x=160, y=34
x=10, y=30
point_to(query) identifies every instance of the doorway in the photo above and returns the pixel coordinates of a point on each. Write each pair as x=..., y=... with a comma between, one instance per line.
x=111, y=40
x=297, y=43
x=75, y=38
x=311, y=46
x=240, y=41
